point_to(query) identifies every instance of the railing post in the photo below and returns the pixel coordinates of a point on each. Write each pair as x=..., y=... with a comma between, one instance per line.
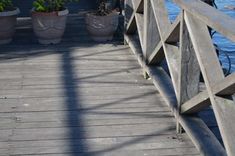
x=189, y=71
x=146, y=21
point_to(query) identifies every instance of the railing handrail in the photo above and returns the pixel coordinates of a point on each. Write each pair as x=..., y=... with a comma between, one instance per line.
x=188, y=48
x=212, y=17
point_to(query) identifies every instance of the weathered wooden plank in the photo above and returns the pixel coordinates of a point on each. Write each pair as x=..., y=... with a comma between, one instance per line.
x=91, y=115
x=141, y=101
x=111, y=151
x=67, y=92
x=90, y=132
x=73, y=123
x=210, y=67
x=83, y=107
x=156, y=141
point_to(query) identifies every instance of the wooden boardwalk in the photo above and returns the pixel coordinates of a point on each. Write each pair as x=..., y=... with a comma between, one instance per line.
x=81, y=99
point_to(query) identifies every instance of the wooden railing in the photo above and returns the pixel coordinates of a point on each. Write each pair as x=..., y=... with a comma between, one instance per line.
x=187, y=47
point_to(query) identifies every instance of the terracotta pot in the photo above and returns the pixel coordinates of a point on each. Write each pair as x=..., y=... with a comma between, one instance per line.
x=102, y=28
x=7, y=25
x=49, y=27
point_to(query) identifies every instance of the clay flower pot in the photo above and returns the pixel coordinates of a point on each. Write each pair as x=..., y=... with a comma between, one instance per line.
x=102, y=28
x=7, y=25
x=49, y=27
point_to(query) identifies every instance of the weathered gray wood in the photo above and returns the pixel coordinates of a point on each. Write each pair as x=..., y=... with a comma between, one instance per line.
x=217, y=20
x=191, y=126
x=157, y=55
x=133, y=23
x=152, y=36
x=140, y=25
x=210, y=67
x=202, y=139
x=172, y=36
x=146, y=23
x=187, y=93
x=136, y=4
x=86, y=99
x=139, y=6
x=163, y=23
x=200, y=101
x=189, y=69
x=226, y=86
x=172, y=54
x=153, y=140
x=130, y=24
x=195, y=104
x=161, y=16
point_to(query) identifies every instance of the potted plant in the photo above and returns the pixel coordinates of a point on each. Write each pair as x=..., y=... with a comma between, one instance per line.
x=49, y=20
x=8, y=14
x=103, y=23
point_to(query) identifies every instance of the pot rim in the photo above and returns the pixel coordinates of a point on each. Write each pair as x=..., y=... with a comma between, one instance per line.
x=10, y=13
x=92, y=13
x=55, y=13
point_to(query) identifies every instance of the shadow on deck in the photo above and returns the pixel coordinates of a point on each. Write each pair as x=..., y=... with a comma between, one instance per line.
x=81, y=98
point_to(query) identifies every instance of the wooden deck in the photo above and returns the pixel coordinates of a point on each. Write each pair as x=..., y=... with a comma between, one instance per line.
x=81, y=98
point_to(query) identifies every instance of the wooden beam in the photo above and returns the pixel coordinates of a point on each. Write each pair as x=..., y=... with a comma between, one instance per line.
x=146, y=24
x=164, y=24
x=153, y=38
x=171, y=36
x=226, y=86
x=189, y=69
x=172, y=54
x=210, y=67
x=136, y=4
x=140, y=8
x=223, y=88
x=131, y=25
x=161, y=16
x=195, y=104
x=202, y=137
x=140, y=25
x=157, y=55
x=212, y=17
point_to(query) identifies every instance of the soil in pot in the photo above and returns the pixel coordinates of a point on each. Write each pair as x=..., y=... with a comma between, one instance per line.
x=49, y=27
x=7, y=25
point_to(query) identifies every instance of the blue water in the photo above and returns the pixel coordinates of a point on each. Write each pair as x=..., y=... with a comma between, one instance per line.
x=223, y=43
